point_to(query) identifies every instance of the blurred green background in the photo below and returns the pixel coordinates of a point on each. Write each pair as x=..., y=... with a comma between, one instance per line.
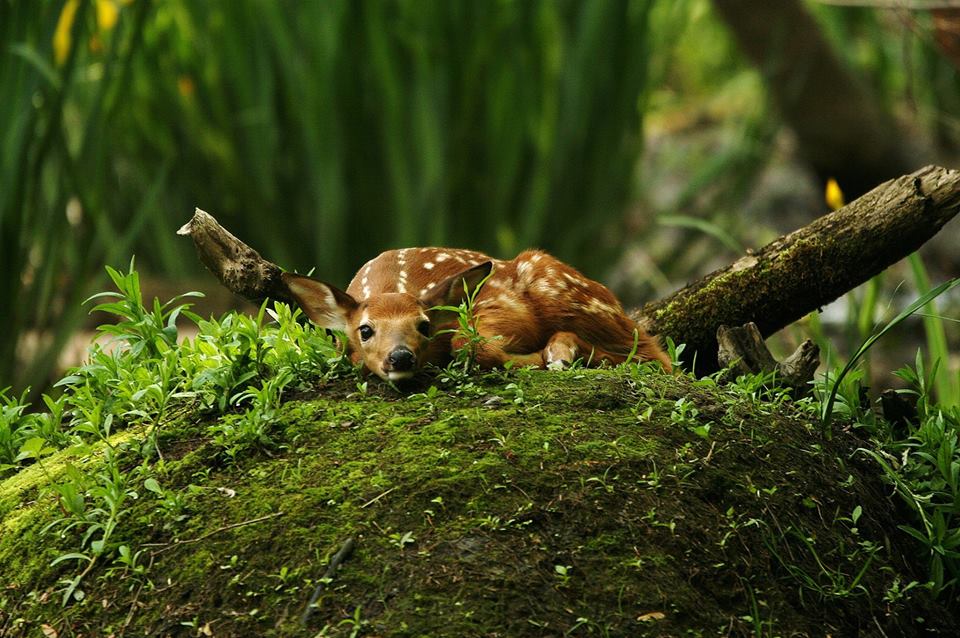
x=632, y=138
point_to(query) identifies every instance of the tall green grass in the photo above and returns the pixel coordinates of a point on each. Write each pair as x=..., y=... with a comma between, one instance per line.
x=322, y=132
x=62, y=211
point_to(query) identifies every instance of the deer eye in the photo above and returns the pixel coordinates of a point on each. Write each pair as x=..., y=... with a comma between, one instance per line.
x=365, y=332
x=424, y=328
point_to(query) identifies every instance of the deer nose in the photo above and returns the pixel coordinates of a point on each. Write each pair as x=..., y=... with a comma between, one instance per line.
x=401, y=360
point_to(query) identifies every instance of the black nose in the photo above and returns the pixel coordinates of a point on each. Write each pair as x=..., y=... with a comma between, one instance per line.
x=401, y=360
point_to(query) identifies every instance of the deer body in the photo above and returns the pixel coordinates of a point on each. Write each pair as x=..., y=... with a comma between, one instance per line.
x=533, y=310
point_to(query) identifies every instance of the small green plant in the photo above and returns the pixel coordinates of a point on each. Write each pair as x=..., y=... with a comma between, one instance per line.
x=686, y=413
x=466, y=332
x=834, y=386
x=674, y=351
x=143, y=330
x=563, y=574
x=402, y=540
x=23, y=433
x=355, y=622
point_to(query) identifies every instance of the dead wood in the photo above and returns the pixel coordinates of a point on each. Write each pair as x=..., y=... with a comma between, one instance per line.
x=742, y=351
x=239, y=267
x=807, y=269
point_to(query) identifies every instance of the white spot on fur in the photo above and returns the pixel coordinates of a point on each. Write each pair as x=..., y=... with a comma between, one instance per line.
x=574, y=280
x=402, y=267
x=428, y=265
x=545, y=286
x=598, y=307
x=442, y=257
x=366, y=292
x=525, y=273
x=507, y=299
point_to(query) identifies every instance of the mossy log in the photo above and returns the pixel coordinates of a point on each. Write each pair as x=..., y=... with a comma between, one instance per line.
x=810, y=267
x=773, y=287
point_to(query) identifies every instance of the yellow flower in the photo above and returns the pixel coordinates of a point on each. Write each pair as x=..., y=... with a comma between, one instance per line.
x=62, y=37
x=834, y=195
x=107, y=13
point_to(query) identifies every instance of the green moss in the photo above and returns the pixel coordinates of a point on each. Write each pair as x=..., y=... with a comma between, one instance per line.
x=463, y=507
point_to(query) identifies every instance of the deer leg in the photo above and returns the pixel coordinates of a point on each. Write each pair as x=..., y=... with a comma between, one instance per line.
x=566, y=347
x=562, y=349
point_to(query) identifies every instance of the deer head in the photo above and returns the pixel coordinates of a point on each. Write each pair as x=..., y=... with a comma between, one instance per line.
x=391, y=333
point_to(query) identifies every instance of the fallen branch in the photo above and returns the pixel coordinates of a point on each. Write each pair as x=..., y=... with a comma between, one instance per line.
x=342, y=555
x=239, y=267
x=807, y=269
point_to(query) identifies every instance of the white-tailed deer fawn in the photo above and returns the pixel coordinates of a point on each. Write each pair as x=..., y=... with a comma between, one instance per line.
x=533, y=310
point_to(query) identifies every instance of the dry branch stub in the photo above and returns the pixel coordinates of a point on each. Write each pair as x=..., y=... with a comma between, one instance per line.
x=743, y=351
x=810, y=267
x=239, y=267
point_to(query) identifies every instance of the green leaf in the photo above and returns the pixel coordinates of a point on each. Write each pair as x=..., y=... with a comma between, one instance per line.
x=152, y=485
x=70, y=556
x=31, y=448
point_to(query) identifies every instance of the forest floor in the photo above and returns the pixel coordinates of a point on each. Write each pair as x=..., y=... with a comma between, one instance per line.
x=617, y=502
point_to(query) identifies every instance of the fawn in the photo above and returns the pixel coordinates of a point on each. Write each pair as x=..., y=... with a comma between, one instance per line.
x=533, y=310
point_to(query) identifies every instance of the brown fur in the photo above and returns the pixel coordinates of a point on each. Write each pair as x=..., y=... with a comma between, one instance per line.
x=533, y=309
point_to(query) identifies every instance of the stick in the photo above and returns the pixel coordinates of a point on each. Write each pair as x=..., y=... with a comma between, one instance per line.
x=239, y=267
x=338, y=558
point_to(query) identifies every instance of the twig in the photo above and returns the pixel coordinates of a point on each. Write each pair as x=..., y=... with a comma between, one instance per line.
x=165, y=546
x=377, y=498
x=877, y=623
x=338, y=558
x=706, y=460
x=133, y=608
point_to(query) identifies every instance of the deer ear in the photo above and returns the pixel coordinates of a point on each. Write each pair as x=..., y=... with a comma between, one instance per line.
x=453, y=290
x=326, y=305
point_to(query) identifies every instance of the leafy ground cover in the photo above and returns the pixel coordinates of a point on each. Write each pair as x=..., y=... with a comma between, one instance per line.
x=202, y=488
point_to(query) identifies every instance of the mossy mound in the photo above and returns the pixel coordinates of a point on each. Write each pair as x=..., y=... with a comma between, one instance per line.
x=576, y=503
